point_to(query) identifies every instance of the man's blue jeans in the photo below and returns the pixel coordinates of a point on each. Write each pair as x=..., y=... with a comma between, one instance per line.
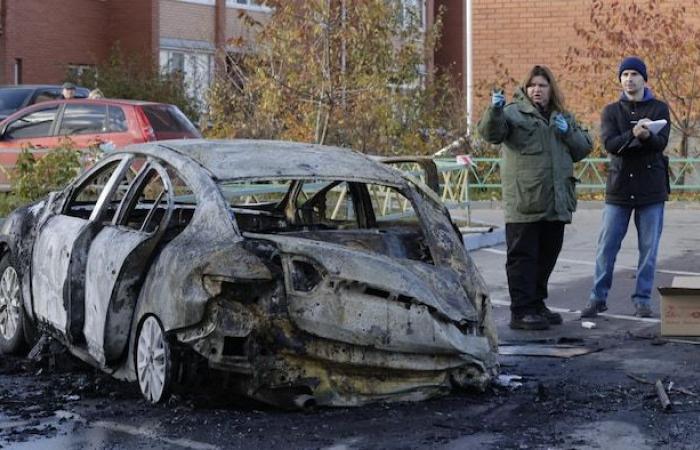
x=649, y=220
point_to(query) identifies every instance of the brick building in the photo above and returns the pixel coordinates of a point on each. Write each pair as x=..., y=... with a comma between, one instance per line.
x=41, y=39
x=518, y=33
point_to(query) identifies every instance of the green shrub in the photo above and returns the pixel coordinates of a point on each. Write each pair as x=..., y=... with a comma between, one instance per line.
x=33, y=178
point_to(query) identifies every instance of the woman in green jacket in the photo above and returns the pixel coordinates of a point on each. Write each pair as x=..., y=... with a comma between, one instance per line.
x=542, y=142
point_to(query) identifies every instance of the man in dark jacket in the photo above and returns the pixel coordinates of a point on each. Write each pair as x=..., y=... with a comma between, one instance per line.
x=637, y=182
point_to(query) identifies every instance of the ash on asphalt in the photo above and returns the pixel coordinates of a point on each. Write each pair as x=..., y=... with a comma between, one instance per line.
x=599, y=400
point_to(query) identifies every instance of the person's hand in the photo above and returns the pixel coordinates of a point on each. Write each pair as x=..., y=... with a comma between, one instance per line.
x=640, y=130
x=561, y=123
x=498, y=99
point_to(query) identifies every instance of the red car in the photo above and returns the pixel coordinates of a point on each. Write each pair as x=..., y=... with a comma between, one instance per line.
x=116, y=122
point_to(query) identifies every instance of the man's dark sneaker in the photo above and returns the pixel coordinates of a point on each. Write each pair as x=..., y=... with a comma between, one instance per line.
x=642, y=311
x=552, y=317
x=529, y=322
x=593, y=309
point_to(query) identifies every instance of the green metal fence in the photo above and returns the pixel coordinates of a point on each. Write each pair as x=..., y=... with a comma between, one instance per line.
x=458, y=180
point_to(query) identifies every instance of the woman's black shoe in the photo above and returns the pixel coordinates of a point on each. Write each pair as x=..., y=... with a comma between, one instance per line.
x=552, y=317
x=529, y=322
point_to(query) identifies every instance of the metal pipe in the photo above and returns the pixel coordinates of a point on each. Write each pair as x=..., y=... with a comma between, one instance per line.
x=304, y=401
x=469, y=63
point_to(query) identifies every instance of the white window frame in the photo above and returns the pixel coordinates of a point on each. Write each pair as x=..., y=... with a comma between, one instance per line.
x=233, y=4
x=406, y=9
x=197, y=76
x=79, y=69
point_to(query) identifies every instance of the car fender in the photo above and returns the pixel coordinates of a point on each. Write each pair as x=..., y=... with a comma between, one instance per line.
x=17, y=238
x=174, y=288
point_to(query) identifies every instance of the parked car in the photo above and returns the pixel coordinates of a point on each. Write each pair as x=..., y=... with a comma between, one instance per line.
x=17, y=96
x=307, y=274
x=85, y=122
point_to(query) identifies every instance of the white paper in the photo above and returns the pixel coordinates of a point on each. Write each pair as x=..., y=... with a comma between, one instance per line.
x=655, y=126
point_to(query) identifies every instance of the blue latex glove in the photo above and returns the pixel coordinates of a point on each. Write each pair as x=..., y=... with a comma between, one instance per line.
x=561, y=123
x=498, y=99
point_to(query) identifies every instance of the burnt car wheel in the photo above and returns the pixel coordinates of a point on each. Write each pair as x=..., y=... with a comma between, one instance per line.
x=154, y=365
x=12, y=339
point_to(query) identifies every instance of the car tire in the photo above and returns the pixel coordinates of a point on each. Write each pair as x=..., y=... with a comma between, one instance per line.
x=12, y=316
x=153, y=361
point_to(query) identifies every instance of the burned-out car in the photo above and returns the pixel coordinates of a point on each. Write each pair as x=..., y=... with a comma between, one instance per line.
x=306, y=274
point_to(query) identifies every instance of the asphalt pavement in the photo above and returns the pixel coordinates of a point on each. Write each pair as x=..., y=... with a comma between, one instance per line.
x=604, y=398
x=572, y=278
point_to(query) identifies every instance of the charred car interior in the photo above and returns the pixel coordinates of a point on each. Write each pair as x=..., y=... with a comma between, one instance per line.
x=304, y=274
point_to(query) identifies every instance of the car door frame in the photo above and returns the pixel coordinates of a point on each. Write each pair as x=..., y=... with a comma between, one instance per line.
x=67, y=316
x=34, y=108
x=108, y=336
x=118, y=138
x=426, y=163
x=39, y=91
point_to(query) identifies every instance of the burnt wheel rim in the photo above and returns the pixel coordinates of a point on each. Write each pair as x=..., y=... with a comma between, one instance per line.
x=151, y=360
x=9, y=303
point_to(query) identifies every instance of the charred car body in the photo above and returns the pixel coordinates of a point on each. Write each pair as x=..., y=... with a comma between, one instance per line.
x=306, y=274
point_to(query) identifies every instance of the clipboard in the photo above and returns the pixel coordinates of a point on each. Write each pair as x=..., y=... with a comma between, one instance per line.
x=655, y=126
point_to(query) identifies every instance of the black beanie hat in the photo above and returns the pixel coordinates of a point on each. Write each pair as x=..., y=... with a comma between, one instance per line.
x=633, y=63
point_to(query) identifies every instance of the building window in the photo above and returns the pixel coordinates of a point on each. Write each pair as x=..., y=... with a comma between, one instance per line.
x=175, y=62
x=411, y=13
x=78, y=70
x=196, y=68
x=240, y=4
x=247, y=4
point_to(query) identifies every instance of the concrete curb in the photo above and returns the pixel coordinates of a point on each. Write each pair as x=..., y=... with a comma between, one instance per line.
x=490, y=238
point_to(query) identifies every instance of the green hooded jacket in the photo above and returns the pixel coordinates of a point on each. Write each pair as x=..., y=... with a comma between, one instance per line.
x=537, y=169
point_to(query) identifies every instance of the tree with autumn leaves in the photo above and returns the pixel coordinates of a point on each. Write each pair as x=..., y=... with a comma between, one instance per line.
x=340, y=72
x=660, y=33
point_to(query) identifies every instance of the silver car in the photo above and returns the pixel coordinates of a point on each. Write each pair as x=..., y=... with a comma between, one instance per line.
x=307, y=274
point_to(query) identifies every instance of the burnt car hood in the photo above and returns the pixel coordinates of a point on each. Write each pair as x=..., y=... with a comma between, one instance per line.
x=438, y=288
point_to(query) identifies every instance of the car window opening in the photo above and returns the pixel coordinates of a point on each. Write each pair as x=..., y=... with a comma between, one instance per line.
x=362, y=216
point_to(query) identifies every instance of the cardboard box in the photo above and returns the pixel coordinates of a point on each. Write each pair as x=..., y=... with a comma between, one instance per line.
x=680, y=307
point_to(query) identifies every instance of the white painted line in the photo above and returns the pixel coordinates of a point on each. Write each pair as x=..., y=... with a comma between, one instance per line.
x=136, y=431
x=496, y=302
x=148, y=433
x=592, y=264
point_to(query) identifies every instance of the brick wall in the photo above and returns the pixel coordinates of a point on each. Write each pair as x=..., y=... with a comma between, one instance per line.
x=44, y=34
x=518, y=33
x=521, y=35
x=234, y=26
x=188, y=21
x=3, y=57
x=134, y=24
x=451, y=53
x=48, y=35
